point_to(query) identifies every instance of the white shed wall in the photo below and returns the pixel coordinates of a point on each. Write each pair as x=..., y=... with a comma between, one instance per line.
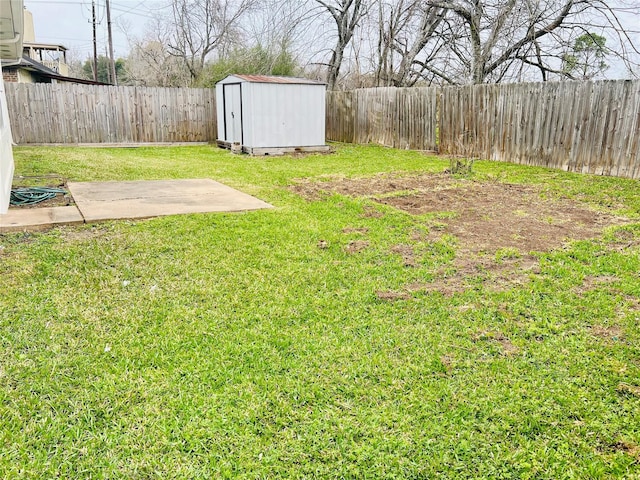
x=283, y=115
x=275, y=114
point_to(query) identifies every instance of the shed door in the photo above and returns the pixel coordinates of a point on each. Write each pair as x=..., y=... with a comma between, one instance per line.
x=233, y=113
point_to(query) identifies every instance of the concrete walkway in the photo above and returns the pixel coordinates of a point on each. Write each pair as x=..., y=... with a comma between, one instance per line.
x=100, y=201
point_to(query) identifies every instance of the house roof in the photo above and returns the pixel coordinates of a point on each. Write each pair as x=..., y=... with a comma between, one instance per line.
x=275, y=79
x=45, y=46
x=31, y=65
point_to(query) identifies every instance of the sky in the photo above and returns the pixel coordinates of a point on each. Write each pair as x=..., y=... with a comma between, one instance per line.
x=68, y=23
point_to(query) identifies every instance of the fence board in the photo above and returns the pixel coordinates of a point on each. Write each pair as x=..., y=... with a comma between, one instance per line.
x=70, y=113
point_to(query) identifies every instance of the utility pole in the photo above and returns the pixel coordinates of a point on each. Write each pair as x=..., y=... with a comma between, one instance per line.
x=95, y=42
x=106, y=55
x=112, y=61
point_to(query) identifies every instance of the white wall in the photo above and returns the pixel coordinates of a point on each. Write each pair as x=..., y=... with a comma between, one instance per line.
x=283, y=115
x=6, y=151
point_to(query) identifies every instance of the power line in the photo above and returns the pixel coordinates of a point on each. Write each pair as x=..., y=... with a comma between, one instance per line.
x=139, y=8
x=114, y=6
x=147, y=7
x=125, y=12
x=62, y=38
x=120, y=8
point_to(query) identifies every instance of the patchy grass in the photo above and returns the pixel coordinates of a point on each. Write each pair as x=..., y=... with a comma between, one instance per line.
x=309, y=340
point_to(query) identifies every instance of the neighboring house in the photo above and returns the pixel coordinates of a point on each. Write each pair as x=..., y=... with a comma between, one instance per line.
x=40, y=62
x=51, y=56
x=28, y=70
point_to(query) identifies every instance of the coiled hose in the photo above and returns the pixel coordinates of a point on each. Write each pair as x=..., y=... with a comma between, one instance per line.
x=33, y=195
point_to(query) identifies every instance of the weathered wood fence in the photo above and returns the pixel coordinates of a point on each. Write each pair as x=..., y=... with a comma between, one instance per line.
x=395, y=117
x=70, y=113
x=590, y=127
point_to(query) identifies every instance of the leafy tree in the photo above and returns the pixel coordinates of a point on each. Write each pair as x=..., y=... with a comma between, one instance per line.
x=256, y=60
x=200, y=28
x=586, y=61
x=104, y=70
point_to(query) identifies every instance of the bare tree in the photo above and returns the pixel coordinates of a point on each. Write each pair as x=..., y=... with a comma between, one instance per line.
x=505, y=37
x=150, y=64
x=405, y=29
x=347, y=15
x=202, y=27
x=394, y=42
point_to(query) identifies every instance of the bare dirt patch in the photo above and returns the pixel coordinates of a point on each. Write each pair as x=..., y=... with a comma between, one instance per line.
x=628, y=448
x=85, y=234
x=370, y=212
x=493, y=216
x=356, y=187
x=623, y=446
x=623, y=240
x=634, y=303
x=408, y=255
x=484, y=216
x=591, y=282
x=614, y=333
x=468, y=271
x=392, y=296
x=629, y=389
x=504, y=342
x=356, y=246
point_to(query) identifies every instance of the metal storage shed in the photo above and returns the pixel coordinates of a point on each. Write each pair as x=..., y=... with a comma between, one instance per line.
x=266, y=115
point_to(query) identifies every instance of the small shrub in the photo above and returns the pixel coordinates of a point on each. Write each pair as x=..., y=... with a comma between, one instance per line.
x=462, y=163
x=460, y=166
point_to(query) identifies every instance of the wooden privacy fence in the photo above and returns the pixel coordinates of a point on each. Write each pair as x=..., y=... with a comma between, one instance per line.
x=395, y=117
x=71, y=113
x=590, y=127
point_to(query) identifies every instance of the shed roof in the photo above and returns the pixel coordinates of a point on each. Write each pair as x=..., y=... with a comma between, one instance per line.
x=274, y=79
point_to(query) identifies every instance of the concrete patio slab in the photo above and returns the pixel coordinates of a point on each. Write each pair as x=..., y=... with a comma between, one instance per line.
x=143, y=199
x=20, y=219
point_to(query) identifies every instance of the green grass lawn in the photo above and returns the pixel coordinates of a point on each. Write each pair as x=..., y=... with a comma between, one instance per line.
x=232, y=346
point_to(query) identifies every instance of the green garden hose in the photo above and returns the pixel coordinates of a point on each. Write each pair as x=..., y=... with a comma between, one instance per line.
x=33, y=195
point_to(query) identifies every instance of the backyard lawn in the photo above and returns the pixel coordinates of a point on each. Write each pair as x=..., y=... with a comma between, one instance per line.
x=385, y=320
